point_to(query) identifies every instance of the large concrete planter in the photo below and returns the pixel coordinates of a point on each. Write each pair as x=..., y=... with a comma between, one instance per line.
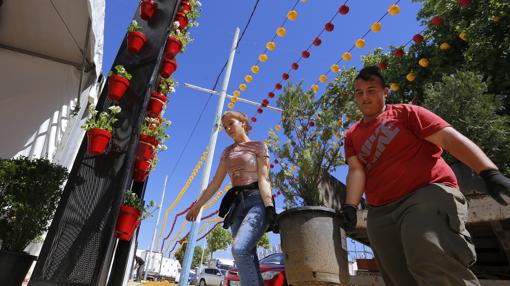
x=312, y=243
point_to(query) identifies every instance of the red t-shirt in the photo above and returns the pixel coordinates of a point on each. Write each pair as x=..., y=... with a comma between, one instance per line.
x=396, y=158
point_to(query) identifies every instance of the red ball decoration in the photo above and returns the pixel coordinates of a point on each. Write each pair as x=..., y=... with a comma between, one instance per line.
x=398, y=52
x=276, y=161
x=253, y=119
x=265, y=102
x=271, y=166
x=260, y=110
x=344, y=9
x=464, y=3
x=294, y=66
x=305, y=54
x=317, y=41
x=418, y=38
x=436, y=21
x=285, y=76
x=329, y=26
x=382, y=66
x=278, y=86
x=270, y=95
x=293, y=143
x=311, y=123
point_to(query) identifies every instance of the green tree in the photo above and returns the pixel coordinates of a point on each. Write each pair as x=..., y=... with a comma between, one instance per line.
x=313, y=129
x=264, y=242
x=197, y=255
x=461, y=99
x=218, y=239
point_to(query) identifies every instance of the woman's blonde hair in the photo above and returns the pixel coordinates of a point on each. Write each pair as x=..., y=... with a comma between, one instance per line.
x=239, y=116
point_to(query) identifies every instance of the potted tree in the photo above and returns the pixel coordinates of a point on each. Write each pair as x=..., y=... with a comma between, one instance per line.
x=147, y=9
x=99, y=129
x=135, y=39
x=158, y=97
x=153, y=133
x=29, y=194
x=118, y=82
x=132, y=212
x=311, y=150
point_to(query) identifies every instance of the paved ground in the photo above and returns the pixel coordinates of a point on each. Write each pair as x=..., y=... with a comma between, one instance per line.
x=151, y=283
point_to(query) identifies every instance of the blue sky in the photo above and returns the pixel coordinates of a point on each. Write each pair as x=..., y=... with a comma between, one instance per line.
x=205, y=56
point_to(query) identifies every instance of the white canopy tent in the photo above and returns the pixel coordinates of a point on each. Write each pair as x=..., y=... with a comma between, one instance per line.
x=50, y=62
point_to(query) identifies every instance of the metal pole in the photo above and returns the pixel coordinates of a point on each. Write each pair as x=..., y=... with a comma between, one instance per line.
x=188, y=257
x=155, y=231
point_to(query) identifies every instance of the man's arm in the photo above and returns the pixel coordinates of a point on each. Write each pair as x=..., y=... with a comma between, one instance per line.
x=355, y=181
x=470, y=154
x=461, y=148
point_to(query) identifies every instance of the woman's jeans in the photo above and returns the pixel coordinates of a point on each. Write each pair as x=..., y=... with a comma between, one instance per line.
x=249, y=224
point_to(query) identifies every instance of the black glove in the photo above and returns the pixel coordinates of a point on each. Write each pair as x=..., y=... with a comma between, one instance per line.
x=349, y=218
x=496, y=184
x=272, y=224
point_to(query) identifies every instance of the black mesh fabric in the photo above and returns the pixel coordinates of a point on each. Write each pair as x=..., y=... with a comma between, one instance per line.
x=79, y=245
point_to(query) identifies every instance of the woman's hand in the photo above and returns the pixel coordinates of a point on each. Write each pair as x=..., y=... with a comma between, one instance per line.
x=193, y=212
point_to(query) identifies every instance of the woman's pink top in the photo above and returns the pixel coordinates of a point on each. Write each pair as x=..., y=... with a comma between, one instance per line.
x=240, y=160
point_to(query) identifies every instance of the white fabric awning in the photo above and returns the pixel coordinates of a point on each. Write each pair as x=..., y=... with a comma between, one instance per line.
x=43, y=46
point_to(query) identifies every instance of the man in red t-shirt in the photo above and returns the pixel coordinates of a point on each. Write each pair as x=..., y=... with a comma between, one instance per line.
x=416, y=214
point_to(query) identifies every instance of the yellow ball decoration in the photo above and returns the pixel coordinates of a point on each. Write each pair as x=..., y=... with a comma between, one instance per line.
x=293, y=168
x=423, y=62
x=281, y=32
x=231, y=105
x=335, y=68
x=394, y=86
x=234, y=99
x=338, y=136
x=278, y=127
x=315, y=88
x=248, y=78
x=292, y=15
x=444, y=46
x=347, y=56
x=360, y=43
x=263, y=57
x=394, y=10
x=242, y=86
x=410, y=76
x=271, y=45
x=463, y=36
x=237, y=93
x=323, y=78
x=255, y=69
x=376, y=27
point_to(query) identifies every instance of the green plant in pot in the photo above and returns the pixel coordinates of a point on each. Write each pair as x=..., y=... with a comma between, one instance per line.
x=310, y=150
x=29, y=194
x=132, y=212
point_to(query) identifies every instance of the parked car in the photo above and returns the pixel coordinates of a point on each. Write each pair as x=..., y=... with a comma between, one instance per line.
x=211, y=276
x=272, y=268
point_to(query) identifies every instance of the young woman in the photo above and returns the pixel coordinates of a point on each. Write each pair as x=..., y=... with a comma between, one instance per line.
x=248, y=206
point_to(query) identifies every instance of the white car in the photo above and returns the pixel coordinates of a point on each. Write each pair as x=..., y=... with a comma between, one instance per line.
x=211, y=276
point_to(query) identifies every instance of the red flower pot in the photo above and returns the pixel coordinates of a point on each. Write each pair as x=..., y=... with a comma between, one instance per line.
x=185, y=7
x=127, y=222
x=182, y=19
x=135, y=41
x=117, y=86
x=173, y=47
x=156, y=104
x=147, y=9
x=167, y=68
x=146, y=147
x=367, y=264
x=141, y=170
x=97, y=141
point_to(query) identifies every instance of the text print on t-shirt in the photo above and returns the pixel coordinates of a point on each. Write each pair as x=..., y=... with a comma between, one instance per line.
x=383, y=135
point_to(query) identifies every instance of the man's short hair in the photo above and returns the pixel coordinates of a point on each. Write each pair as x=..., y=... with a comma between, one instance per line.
x=370, y=73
